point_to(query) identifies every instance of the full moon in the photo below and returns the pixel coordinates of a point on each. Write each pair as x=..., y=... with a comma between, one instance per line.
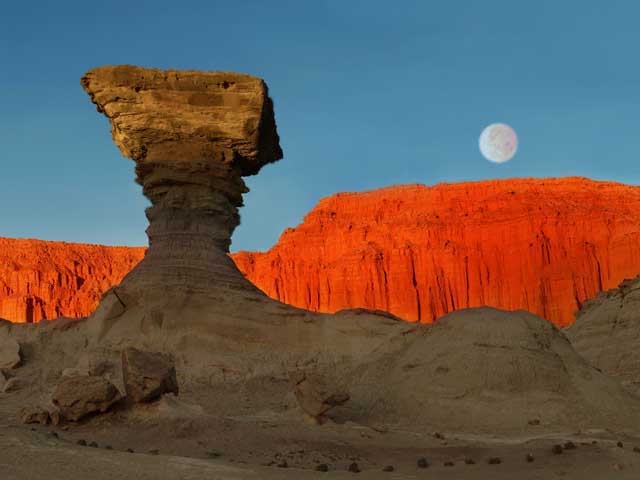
x=498, y=143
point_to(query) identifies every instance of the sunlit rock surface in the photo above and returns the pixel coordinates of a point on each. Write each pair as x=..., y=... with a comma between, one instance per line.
x=542, y=245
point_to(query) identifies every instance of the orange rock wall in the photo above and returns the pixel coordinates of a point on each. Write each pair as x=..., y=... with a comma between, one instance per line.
x=419, y=252
x=45, y=280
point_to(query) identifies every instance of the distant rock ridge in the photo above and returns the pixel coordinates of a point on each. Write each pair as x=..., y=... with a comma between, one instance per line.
x=45, y=280
x=541, y=245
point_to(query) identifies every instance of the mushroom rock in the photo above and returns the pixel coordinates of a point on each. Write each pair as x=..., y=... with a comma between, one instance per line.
x=193, y=136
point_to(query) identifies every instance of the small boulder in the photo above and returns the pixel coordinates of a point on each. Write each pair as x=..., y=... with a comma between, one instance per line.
x=3, y=380
x=73, y=372
x=13, y=384
x=314, y=396
x=55, y=417
x=34, y=415
x=10, y=357
x=147, y=375
x=79, y=396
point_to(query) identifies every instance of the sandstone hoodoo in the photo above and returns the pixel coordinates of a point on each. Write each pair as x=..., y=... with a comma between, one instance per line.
x=541, y=245
x=193, y=136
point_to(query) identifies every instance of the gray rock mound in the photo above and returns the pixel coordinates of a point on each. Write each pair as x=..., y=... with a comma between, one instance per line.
x=607, y=332
x=489, y=370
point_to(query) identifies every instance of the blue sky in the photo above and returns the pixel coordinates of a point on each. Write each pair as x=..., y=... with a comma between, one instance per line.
x=367, y=94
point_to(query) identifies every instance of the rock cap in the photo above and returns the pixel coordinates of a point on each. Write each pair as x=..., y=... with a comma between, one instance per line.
x=187, y=115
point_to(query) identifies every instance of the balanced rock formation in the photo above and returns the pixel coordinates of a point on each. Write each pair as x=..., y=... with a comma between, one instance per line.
x=193, y=136
x=419, y=252
x=607, y=330
x=45, y=280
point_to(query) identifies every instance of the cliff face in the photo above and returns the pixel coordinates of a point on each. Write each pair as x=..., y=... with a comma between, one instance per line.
x=45, y=280
x=420, y=252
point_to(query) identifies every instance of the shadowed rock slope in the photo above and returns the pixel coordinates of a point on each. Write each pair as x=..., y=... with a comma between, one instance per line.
x=607, y=332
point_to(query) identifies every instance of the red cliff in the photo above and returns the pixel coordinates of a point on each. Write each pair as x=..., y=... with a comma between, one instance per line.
x=419, y=252
x=44, y=280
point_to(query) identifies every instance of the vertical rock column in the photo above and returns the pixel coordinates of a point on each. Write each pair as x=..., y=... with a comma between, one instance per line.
x=193, y=136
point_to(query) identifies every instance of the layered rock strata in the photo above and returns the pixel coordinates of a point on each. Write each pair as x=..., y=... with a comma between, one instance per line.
x=45, y=280
x=420, y=252
x=541, y=245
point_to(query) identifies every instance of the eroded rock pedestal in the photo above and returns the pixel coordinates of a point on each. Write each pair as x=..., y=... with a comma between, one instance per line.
x=193, y=136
